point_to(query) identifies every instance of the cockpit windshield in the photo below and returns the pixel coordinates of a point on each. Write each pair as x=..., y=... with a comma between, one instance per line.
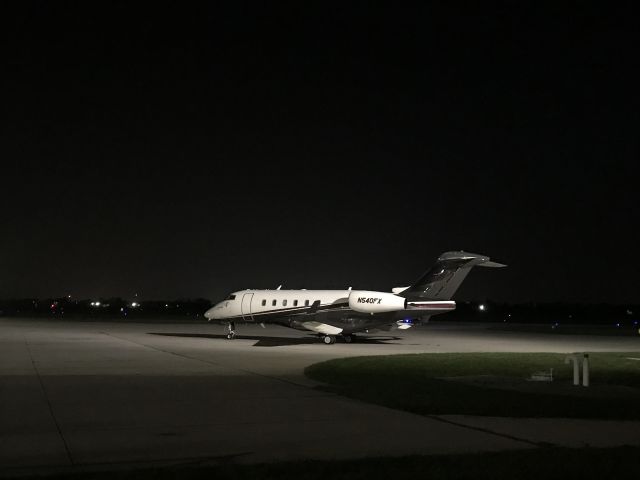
x=231, y=297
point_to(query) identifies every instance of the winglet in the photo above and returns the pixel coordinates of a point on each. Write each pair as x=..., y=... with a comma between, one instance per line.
x=314, y=306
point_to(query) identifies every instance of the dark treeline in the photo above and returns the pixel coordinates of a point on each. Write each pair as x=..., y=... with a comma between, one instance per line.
x=104, y=307
x=548, y=313
x=193, y=309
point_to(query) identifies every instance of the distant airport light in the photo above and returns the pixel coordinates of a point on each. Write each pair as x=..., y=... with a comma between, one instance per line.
x=482, y=307
x=95, y=304
x=135, y=304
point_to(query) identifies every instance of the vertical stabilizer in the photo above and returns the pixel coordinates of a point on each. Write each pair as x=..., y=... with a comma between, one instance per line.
x=442, y=280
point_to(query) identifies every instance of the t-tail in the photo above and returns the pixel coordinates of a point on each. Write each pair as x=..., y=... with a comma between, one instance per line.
x=442, y=280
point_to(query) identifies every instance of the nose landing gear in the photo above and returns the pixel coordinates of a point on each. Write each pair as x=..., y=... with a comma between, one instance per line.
x=231, y=331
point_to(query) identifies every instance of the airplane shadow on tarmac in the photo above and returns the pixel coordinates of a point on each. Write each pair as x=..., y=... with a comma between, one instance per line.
x=268, y=341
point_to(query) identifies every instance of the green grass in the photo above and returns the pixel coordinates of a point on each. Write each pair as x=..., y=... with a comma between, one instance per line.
x=547, y=463
x=415, y=383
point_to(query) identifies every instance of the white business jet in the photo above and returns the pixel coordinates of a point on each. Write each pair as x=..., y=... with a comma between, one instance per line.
x=343, y=313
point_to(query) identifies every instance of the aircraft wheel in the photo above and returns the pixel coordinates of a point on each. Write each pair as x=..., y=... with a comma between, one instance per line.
x=231, y=328
x=329, y=339
x=349, y=338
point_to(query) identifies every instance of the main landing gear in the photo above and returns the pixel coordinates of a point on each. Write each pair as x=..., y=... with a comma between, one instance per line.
x=349, y=338
x=231, y=331
x=331, y=339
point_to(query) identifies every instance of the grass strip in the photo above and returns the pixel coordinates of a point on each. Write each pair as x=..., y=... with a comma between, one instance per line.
x=423, y=383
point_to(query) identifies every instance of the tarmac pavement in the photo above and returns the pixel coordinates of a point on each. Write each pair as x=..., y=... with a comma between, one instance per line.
x=92, y=395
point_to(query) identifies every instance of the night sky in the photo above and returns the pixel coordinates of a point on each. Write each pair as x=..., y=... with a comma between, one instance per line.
x=180, y=150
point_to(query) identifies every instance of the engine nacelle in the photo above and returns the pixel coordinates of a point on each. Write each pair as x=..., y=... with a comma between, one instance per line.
x=366, y=301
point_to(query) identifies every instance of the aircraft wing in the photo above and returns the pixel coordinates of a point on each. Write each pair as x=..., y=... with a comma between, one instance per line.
x=324, y=328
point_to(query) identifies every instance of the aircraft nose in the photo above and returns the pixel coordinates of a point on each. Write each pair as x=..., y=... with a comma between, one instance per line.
x=210, y=314
x=214, y=312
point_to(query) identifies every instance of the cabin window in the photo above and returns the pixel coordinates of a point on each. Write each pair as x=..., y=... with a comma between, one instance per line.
x=264, y=302
x=306, y=303
x=284, y=303
x=295, y=303
x=273, y=303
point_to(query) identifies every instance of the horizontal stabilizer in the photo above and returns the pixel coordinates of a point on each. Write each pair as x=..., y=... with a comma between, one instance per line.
x=491, y=264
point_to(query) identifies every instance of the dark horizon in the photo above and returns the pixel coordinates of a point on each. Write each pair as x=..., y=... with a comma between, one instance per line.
x=189, y=151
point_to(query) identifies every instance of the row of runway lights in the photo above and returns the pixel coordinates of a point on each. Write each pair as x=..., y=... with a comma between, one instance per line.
x=483, y=308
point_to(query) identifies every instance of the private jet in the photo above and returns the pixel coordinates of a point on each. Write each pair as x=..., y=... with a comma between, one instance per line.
x=341, y=314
